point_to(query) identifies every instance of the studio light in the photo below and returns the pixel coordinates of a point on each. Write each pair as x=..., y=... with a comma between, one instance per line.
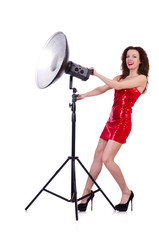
x=53, y=62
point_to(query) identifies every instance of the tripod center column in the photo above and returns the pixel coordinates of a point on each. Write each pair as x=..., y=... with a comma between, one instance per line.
x=73, y=123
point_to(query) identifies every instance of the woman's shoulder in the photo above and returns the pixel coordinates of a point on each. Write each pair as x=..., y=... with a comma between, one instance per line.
x=117, y=78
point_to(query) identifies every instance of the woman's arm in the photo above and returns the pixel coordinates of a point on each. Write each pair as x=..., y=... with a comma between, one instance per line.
x=137, y=81
x=95, y=92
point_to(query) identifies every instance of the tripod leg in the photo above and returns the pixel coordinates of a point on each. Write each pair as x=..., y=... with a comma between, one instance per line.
x=76, y=207
x=95, y=183
x=74, y=188
x=47, y=184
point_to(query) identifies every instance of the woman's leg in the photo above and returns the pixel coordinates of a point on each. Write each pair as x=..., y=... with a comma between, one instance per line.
x=95, y=168
x=109, y=154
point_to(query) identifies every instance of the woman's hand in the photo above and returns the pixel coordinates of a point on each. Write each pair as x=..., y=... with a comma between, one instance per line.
x=81, y=96
x=94, y=71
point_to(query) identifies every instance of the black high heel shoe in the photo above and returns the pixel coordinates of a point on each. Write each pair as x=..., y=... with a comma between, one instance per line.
x=83, y=206
x=124, y=207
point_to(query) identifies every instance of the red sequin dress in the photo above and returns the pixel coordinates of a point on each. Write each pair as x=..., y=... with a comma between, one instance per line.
x=119, y=124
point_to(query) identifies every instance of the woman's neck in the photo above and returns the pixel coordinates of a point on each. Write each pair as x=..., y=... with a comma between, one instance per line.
x=133, y=73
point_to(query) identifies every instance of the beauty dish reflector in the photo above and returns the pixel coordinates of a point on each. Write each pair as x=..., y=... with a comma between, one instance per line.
x=53, y=60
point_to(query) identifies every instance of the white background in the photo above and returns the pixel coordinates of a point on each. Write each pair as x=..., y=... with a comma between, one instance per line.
x=35, y=125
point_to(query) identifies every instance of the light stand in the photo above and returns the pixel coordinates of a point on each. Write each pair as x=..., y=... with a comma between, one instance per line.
x=73, y=160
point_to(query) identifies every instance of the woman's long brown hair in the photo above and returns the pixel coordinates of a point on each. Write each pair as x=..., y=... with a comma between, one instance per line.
x=143, y=67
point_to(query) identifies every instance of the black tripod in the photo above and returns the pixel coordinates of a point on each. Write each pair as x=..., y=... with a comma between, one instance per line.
x=73, y=159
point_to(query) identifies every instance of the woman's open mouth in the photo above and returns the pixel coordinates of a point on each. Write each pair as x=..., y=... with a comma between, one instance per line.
x=130, y=63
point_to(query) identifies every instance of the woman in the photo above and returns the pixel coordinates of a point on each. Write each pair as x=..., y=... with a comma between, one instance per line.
x=128, y=88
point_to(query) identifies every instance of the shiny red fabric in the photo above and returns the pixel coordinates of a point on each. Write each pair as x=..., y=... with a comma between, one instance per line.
x=118, y=126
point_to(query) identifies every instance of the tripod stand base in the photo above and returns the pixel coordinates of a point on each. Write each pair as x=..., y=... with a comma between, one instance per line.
x=73, y=159
x=73, y=186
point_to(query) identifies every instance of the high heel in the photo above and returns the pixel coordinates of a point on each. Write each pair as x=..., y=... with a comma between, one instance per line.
x=83, y=206
x=124, y=207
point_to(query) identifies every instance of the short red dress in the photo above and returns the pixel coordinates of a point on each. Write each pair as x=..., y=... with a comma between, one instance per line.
x=118, y=126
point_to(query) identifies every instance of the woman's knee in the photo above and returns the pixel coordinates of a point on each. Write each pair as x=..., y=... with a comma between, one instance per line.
x=107, y=160
x=100, y=149
x=98, y=154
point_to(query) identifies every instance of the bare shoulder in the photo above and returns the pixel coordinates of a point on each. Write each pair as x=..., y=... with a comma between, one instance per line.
x=117, y=78
x=142, y=78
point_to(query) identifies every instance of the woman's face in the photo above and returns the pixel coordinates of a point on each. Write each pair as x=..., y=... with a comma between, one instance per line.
x=133, y=59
